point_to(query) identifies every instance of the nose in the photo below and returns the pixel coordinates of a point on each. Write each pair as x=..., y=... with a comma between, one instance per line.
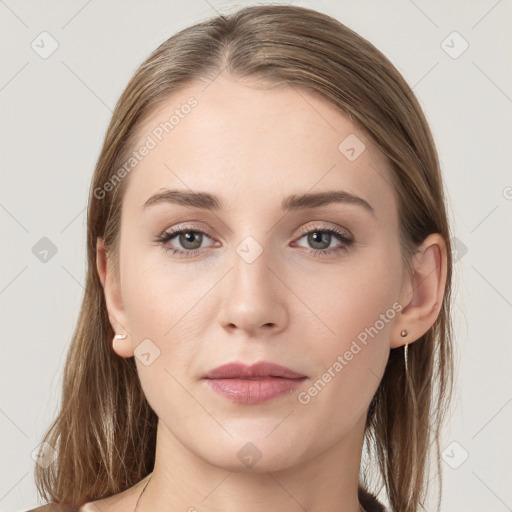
x=253, y=297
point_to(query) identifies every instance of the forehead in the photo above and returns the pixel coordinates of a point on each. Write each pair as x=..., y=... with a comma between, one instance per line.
x=251, y=144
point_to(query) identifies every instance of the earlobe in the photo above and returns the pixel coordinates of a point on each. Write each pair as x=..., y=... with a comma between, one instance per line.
x=423, y=292
x=123, y=346
x=114, y=302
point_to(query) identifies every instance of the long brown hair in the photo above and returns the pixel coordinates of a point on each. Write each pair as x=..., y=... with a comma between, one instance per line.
x=105, y=431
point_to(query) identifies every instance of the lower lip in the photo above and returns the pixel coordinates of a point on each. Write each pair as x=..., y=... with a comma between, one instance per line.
x=253, y=391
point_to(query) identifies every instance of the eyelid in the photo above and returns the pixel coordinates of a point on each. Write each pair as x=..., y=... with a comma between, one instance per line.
x=323, y=227
x=187, y=227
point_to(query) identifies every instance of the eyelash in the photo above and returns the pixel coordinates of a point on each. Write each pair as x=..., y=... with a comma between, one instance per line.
x=167, y=236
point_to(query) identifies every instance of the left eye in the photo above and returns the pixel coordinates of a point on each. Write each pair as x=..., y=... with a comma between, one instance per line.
x=321, y=236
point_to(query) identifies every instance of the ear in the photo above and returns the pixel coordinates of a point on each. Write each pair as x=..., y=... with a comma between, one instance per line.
x=422, y=293
x=114, y=300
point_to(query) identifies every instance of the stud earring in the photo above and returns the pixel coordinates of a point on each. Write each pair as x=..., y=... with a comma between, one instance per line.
x=403, y=333
x=120, y=336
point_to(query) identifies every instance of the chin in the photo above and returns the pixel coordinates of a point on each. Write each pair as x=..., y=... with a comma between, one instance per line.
x=256, y=452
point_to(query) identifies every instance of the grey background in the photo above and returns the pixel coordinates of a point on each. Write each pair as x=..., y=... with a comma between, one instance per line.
x=54, y=113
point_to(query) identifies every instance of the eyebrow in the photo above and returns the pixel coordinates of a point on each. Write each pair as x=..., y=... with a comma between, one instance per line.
x=207, y=201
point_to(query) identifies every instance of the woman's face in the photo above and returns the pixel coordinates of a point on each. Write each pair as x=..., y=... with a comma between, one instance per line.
x=249, y=281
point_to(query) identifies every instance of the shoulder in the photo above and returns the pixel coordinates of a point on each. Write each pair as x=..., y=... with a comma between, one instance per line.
x=120, y=502
x=54, y=507
x=86, y=507
x=112, y=504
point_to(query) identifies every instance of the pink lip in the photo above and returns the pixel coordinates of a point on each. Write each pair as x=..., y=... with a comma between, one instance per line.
x=259, y=369
x=253, y=384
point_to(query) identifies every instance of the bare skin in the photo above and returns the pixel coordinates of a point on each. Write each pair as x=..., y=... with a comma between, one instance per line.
x=122, y=502
x=252, y=147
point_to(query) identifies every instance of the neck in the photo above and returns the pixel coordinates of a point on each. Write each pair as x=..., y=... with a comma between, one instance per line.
x=182, y=480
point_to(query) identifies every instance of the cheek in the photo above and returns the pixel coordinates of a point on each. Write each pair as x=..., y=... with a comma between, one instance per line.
x=158, y=293
x=357, y=312
x=351, y=298
x=162, y=303
x=171, y=305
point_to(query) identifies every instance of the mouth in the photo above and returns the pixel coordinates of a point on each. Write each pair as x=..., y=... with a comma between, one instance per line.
x=253, y=384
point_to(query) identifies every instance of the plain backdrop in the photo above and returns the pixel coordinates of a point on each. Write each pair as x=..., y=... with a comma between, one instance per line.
x=54, y=112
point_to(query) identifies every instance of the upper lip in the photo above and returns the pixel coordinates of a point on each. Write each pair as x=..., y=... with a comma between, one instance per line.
x=260, y=369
